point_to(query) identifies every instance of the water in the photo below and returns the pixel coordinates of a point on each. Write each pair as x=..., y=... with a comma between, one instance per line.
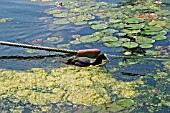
x=32, y=25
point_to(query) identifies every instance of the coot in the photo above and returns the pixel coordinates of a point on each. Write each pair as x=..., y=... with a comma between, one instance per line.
x=85, y=61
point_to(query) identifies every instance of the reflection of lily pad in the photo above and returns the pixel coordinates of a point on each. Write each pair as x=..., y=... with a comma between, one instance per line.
x=125, y=102
x=144, y=40
x=159, y=37
x=52, y=39
x=109, y=39
x=59, y=22
x=130, y=45
x=99, y=26
x=89, y=38
x=133, y=20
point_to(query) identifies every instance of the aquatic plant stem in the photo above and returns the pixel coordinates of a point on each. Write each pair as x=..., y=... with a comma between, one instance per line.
x=38, y=47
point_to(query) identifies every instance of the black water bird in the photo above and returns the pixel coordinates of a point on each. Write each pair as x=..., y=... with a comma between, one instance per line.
x=85, y=61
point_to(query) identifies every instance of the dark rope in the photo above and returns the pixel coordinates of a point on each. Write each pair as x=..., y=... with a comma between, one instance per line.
x=38, y=47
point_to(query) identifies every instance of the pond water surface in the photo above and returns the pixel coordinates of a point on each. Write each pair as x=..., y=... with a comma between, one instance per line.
x=32, y=24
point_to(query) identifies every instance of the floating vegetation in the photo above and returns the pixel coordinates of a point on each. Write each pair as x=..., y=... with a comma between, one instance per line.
x=2, y=20
x=53, y=38
x=88, y=86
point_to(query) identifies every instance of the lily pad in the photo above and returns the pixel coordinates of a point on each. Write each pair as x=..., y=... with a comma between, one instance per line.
x=130, y=45
x=99, y=26
x=134, y=26
x=159, y=37
x=113, y=44
x=133, y=20
x=31, y=51
x=157, y=23
x=124, y=39
x=125, y=102
x=144, y=40
x=152, y=28
x=127, y=31
x=109, y=31
x=2, y=20
x=146, y=45
x=109, y=39
x=89, y=38
x=63, y=14
x=80, y=23
x=60, y=22
x=152, y=52
x=163, y=12
x=52, y=38
x=114, y=107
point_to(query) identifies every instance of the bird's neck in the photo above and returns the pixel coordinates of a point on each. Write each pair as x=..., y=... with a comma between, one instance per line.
x=97, y=61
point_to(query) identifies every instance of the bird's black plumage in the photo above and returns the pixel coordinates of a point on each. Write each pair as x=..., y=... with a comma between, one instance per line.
x=84, y=61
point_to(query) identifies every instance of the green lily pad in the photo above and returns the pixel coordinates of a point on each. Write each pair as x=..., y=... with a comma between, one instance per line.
x=89, y=38
x=125, y=102
x=153, y=28
x=114, y=21
x=109, y=39
x=157, y=23
x=127, y=31
x=94, y=22
x=121, y=34
x=109, y=31
x=133, y=20
x=163, y=12
x=146, y=45
x=99, y=26
x=31, y=51
x=152, y=52
x=144, y=40
x=52, y=39
x=114, y=107
x=54, y=11
x=60, y=22
x=114, y=44
x=159, y=37
x=130, y=45
x=62, y=14
x=134, y=26
x=124, y=39
x=80, y=23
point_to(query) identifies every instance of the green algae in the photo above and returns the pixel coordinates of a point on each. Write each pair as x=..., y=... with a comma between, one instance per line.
x=79, y=85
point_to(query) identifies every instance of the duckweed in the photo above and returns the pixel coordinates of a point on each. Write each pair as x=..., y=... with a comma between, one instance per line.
x=88, y=86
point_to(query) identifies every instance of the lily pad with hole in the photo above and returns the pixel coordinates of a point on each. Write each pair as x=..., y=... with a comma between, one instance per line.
x=152, y=52
x=53, y=38
x=133, y=20
x=145, y=46
x=60, y=22
x=89, y=38
x=130, y=45
x=159, y=37
x=144, y=40
x=99, y=26
x=157, y=23
x=109, y=39
x=125, y=102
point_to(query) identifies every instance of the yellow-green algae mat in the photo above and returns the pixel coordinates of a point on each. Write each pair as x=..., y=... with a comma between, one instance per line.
x=79, y=85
